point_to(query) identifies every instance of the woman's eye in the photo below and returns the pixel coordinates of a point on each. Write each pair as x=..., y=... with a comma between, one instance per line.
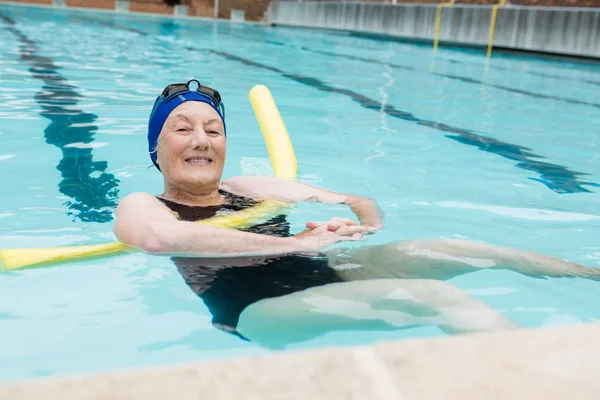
x=183, y=129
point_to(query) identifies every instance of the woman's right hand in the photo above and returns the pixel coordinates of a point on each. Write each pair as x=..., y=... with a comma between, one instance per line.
x=321, y=237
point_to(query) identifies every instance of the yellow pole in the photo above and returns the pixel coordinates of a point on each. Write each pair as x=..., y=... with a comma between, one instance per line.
x=438, y=23
x=493, y=28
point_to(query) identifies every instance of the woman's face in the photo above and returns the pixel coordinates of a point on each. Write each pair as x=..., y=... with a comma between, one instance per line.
x=191, y=146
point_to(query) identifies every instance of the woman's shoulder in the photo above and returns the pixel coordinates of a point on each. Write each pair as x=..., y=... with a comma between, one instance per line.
x=138, y=200
x=138, y=197
x=261, y=188
x=138, y=208
x=247, y=186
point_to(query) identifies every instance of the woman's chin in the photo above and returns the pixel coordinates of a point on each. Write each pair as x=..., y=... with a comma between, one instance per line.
x=201, y=177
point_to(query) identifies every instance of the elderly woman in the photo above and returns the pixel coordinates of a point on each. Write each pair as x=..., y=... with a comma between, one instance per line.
x=263, y=280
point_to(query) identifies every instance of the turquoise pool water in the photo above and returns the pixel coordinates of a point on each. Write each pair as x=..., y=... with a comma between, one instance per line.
x=505, y=153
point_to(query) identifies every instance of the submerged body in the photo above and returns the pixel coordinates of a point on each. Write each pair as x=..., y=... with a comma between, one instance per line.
x=282, y=290
x=392, y=286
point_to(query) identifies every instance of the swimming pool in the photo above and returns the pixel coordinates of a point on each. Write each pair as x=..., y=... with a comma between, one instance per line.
x=504, y=153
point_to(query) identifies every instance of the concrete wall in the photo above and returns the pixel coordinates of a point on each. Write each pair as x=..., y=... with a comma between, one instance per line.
x=43, y=2
x=201, y=8
x=157, y=7
x=196, y=8
x=254, y=9
x=569, y=31
x=151, y=6
x=103, y=4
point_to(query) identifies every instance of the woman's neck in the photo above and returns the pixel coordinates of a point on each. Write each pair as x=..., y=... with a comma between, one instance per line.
x=205, y=196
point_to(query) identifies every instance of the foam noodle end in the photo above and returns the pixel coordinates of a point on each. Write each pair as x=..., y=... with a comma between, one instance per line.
x=13, y=259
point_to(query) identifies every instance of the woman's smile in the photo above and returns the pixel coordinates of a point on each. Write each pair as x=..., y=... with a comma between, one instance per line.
x=199, y=161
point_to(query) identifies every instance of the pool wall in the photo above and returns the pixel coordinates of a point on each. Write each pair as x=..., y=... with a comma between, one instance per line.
x=549, y=363
x=555, y=30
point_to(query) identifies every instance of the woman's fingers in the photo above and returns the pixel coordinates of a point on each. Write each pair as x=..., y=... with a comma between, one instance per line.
x=338, y=227
x=336, y=223
x=345, y=221
x=351, y=230
x=334, y=226
x=345, y=228
x=357, y=236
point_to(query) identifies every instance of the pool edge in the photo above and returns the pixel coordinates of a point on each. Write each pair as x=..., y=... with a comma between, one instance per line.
x=548, y=363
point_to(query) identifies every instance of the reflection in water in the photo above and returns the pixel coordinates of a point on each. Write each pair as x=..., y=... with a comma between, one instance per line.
x=93, y=192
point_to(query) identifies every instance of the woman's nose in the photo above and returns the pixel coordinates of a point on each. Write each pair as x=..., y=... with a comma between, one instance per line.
x=200, y=139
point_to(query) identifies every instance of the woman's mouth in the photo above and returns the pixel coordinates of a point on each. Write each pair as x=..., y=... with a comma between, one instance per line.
x=198, y=160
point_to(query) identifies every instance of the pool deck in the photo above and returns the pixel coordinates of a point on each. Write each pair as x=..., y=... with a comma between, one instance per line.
x=548, y=363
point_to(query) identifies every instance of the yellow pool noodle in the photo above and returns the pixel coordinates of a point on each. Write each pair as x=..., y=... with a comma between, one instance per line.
x=283, y=161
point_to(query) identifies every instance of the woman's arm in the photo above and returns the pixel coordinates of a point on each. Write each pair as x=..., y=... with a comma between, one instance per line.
x=143, y=222
x=366, y=210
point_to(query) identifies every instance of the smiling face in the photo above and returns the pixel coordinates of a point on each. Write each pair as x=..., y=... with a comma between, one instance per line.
x=191, y=148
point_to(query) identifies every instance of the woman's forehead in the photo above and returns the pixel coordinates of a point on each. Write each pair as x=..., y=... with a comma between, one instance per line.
x=194, y=110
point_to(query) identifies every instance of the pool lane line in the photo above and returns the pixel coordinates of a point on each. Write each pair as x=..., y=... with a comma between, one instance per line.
x=361, y=35
x=93, y=198
x=451, y=61
x=556, y=177
x=519, y=91
x=408, y=68
x=444, y=75
x=351, y=34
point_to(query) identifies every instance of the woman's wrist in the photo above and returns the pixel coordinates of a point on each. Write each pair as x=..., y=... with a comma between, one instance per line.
x=367, y=210
x=305, y=241
x=295, y=243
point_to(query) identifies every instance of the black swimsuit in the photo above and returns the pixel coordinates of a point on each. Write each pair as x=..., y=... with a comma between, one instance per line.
x=228, y=290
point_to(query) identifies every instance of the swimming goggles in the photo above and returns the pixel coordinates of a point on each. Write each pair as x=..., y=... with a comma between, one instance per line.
x=176, y=89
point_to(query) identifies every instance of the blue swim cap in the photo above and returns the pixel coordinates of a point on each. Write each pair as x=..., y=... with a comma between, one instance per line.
x=162, y=109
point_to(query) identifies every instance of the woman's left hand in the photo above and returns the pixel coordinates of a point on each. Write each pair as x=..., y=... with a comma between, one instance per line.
x=342, y=226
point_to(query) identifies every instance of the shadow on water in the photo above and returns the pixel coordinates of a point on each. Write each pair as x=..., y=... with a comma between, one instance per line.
x=93, y=192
